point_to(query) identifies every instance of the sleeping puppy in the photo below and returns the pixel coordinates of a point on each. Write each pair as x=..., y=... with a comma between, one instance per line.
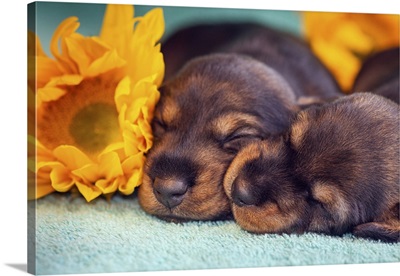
x=284, y=52
x=212, y=107
x=217, y=104
x=337, y=170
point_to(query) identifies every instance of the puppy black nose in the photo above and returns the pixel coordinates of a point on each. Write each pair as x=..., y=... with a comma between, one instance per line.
x=170, y=192
x=241, y=194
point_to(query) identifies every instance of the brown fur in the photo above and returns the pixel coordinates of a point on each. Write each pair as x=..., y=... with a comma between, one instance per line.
x=216, y=104
x=380, y=74
x=213, y=122
x=337, y=170
x=284, y=52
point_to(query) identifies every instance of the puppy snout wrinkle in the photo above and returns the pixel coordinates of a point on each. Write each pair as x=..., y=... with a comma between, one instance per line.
x=241, y=195
x=170, y=192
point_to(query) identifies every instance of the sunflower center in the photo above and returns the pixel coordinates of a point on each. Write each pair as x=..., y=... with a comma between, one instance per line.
x=95, y=126
x=85, y=117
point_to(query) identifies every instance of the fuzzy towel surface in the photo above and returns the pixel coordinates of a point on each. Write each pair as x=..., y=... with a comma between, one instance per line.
x=73, y=236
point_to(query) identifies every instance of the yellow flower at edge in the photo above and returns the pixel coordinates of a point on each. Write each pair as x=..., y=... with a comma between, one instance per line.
x=343, y=40
x=94, y=103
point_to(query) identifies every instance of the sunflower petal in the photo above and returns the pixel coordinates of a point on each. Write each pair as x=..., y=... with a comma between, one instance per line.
x=38, y=189
x=60, y=179
x=110, y=60
x=77, y=53
x=43, y=69
x=39, y=183
x=71, y=157
x=41, y=191
x=107, y=186
x=88, y=173
x=133, y=162
x=158, y=65
x=143, y=87
x=122, y=92
x=47, y=94
x=343, y=40
x=333, y=58
x=118, y=148
x=131, y=141
x=43, y=175
x=384, y=29
x=118, y=27
x=66, y=28
x=121, y=117
x=66, y=79
x=113, y=147
x=349, y=36
x=145, y=130
x=42, y=153
x=51, y=92
x=154, y=21
x=31, y=102
x=110, y=165
x=85, y=50
x=88, y=191
x=149, y=59
x=49, y=165
x=133, y=111
x=134, y=181
x=34, y=45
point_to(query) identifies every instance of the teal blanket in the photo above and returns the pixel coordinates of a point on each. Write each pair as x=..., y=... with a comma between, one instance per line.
x=73, y=236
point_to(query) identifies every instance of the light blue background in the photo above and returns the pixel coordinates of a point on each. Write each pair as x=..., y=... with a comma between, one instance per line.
x=48, y=15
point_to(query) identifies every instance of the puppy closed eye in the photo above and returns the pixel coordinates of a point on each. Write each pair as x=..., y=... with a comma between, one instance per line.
x=233, y=130
x=238, y=139
x=158, y=127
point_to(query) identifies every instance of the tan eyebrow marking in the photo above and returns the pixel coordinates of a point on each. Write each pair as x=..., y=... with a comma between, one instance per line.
x=224, y=125
x=169, y=111
x=299, y=129
x=333, y=199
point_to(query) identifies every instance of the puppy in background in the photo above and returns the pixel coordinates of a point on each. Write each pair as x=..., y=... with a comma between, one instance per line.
x=244, y=88
x=335, y=171
x=380, y=74
x=286, y=53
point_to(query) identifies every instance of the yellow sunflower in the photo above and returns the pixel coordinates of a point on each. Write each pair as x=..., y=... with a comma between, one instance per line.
x=344, y=40
x=94, y=102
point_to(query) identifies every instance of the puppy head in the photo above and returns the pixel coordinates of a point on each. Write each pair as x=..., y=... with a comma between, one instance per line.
x=264, y=195
x=344, y=152
x=211, y=109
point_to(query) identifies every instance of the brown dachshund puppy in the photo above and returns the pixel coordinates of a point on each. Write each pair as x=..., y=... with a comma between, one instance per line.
x=337, y=170
x=212, y=107
x=284, y=52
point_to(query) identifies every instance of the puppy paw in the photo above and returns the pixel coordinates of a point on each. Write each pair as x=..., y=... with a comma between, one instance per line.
x=378, y=231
